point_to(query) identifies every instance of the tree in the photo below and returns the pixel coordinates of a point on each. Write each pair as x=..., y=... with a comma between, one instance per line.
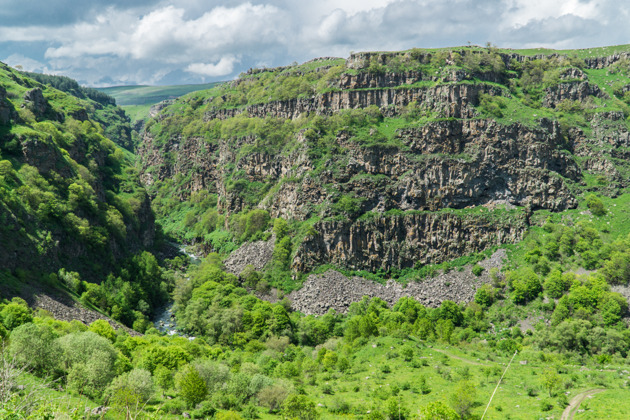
x=550, y=380
x=299, y=407
x=463, y=398
x=89, y=359
x=104, y=329
x=15, y=314
x=484, y=295
x=34, y=345
x=131, y=391
x=437, y=410
x=191, y=386
x=272, y=397
x=163, y=378
x=556, y=284
x=525, y=285
x=595, y=205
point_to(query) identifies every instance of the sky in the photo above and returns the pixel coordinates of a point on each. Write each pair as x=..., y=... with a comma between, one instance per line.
x=154, y=42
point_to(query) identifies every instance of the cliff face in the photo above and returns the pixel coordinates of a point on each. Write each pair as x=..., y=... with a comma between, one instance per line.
x=384, y=242
x=453, y=164
x=375, y=195
x=448, y=101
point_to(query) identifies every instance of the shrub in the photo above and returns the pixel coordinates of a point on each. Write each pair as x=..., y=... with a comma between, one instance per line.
x=191, y=386
x=339, y=406
x=477, y=270
x=299, y=406
x=131, y=390
x=15, y=314
x=546, y=405
x=34, y=345
x=595, y=205
x=90, y=360
x=104, y=329
x=438, y=411
x=272, y=397
x=204, y=410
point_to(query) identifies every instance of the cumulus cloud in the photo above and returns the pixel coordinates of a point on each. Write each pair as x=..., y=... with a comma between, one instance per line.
x=224, y=67
x=26, y=63
x=158, y=41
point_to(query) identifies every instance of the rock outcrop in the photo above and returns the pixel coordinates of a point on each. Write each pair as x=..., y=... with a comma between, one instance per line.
x=376, y=196
x=6, y=109
x=383, y=242
x=35, y=101
x=579, y=91
x=448, y=101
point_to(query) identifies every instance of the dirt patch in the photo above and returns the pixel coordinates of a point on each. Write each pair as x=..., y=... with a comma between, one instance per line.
x=334, y=290
x=573, y=406
x=451, y=355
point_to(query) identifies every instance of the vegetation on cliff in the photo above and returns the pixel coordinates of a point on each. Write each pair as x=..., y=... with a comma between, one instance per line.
x=72, y=209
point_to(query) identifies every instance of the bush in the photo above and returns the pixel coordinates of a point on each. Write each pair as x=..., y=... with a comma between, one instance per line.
x=204, y=410
x=272, y=397
x=546, y=405
x=339, y=406
x=191, y=386
x=90, y=360
x=477, y=270
x=34, y=345
x=438, y=411
x=15, y=314
x=595, y=205
x=131, y=390
x=104, y=329
x=299, y=406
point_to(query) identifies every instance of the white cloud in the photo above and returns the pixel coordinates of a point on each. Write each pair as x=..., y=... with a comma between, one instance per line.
x=224, y=67
x=26, y=63
x=165, y=35
x=158, y=41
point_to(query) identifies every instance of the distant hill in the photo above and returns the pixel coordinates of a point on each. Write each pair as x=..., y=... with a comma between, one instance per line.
x=137, y=100
x=149, y=95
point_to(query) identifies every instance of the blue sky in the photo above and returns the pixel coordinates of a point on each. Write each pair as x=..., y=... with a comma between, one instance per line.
x=105, y=43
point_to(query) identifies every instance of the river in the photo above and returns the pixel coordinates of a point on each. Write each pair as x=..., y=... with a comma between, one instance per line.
x=164, y=319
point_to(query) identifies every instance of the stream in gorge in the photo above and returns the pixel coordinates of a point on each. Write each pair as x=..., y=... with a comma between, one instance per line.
x=164, y=319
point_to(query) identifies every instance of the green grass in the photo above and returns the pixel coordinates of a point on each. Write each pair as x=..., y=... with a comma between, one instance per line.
x=580, y=53
x=137, y=112
x=610, y=404
x=445, y=367
x=146, y=95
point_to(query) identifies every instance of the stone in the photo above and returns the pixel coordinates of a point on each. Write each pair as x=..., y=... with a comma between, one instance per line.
x=35, y=101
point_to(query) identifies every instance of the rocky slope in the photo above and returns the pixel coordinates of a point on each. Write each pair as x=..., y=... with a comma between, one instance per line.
x=333, y=290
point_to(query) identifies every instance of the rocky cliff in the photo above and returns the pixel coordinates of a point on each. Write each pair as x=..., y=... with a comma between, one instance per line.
x=371, y=152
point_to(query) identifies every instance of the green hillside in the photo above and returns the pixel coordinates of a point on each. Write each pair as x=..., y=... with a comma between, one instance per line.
x=137, y=100
x=425, y=234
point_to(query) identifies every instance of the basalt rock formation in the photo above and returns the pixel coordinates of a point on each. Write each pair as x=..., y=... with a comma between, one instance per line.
x=388, y=157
